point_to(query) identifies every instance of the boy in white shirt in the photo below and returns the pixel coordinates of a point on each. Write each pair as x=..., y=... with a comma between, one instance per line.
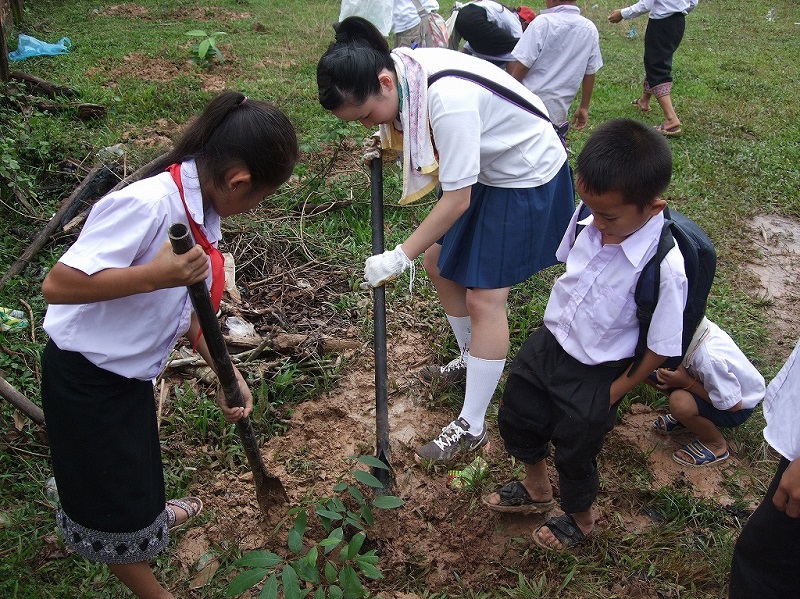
x=558, y=54
x=715, y=385
x=768, y=549
x=566, y=382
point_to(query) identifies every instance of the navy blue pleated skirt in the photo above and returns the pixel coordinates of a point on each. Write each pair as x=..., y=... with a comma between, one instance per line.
x=507, y=234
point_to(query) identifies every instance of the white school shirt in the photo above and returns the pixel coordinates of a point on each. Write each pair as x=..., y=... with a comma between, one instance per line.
x=481, y=137
x=405, y=15
x=131, y=336
x=559, y=47
x=658, y=9
x=592, y=311
x=725, y=372
x=782, y=408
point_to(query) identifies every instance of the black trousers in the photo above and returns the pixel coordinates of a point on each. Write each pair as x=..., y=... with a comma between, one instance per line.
x=766, y=560
x=550, y=397
x=484, y=36
x=662, y=38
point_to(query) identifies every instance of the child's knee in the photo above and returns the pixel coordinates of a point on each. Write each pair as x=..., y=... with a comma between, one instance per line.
x=682, y=404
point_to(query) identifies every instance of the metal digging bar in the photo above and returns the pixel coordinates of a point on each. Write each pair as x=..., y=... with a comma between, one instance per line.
x=379, y=320
x=269, y=489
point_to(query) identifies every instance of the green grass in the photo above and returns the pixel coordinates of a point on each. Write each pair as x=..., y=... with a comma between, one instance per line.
x=735, y=89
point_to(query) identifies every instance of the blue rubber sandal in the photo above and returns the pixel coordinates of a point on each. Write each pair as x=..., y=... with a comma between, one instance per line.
x=667, y=424
x=700, y=454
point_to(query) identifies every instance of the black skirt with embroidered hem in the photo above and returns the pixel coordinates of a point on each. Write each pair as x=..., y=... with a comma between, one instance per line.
x=507, y=234
x=103, y=435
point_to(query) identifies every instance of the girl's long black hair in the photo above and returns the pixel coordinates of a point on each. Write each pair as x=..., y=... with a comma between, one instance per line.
x=236, y=131
x=348, y=71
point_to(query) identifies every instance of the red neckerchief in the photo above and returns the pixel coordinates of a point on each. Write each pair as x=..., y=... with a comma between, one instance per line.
x=217, y=259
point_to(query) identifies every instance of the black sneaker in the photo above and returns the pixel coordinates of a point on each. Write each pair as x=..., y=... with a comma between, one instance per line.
x=452, y=442
x=451, y=373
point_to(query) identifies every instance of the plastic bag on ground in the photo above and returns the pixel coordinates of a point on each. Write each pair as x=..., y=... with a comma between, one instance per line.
x=28, y=46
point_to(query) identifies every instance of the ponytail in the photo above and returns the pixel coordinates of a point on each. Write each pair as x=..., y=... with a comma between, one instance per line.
x=233, y=131
x=349, y=69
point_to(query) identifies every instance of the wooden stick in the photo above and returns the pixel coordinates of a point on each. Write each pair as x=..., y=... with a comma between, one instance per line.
x=22, y=403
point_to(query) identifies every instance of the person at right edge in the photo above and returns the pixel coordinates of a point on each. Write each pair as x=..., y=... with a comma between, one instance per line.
x=767, y=553
x=663, y=36
x=567, y=381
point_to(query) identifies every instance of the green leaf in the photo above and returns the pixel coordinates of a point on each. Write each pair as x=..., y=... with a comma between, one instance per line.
x=335, y=592
x=295, y=542
x=366, y=515
x=258, y=559
x=351, y=583
x=300, y=523
x=291, y=583
x=329, y=514
x=202, y=49
x=306, y=572
x=366, y=478
x=354, y=546
x=244, y=581
x=356, y=493
x=367, y=569
x=196, y=33
x=270, y=589
x=339, y=487
x=311, y=556
x=320, y=594
x=355, y=522
x=218, y=33
x=371, y=460
x=331, y=573
x=387, y=502
x=370, y=557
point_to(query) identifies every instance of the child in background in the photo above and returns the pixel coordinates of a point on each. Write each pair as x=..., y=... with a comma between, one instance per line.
x=118, y=303
x=767, y=552
x=568, y=378
x=663, y=36
x=715, y=385
x=507, y=194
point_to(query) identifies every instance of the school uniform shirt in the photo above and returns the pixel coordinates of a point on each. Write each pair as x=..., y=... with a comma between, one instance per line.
x=782, y=408
x=592, y=311
x=658, y=9
x=131, y=336
x=482, y=137
x=559, y=48
x=725, y=372
x=405, y=15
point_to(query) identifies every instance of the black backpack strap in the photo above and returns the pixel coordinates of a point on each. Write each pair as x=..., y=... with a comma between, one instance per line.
x=494, y=87
x=647, y=289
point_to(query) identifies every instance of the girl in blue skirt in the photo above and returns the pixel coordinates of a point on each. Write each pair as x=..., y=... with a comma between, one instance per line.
x=118, y=304
x=506, y=194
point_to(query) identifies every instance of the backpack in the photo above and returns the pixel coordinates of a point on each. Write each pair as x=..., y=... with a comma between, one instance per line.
x=432, y=28
x=505, y=93
x=700, y=260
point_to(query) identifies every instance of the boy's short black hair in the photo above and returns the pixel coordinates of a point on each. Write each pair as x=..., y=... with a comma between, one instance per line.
x=628, y=157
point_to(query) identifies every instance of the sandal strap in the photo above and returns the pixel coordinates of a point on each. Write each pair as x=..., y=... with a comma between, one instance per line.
x=514, y=493
x=566, y=530
x=190, y=506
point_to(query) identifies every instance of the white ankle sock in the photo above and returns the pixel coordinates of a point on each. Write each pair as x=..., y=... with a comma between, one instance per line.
x=482, y=378
x=462, y=329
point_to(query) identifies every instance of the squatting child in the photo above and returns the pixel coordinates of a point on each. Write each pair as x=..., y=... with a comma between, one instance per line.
x=715, y=385
x=565, y=384
x=118, y=303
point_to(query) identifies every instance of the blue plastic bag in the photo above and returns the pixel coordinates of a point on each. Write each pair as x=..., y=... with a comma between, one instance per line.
x=29, y=46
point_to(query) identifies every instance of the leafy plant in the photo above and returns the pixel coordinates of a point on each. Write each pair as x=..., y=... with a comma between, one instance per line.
x=205, y=50
x=331, y=568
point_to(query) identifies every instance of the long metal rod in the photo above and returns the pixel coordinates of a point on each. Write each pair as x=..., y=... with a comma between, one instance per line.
x=379, y=322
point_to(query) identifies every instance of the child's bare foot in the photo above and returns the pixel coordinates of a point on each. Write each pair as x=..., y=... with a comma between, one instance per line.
x=565, y=531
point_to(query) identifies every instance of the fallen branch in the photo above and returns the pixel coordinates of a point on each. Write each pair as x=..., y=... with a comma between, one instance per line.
x=94, y=185
x=51, y=90
x=22, y=403
x=127, y=180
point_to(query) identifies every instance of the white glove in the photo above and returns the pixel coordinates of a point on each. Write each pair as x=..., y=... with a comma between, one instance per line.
x=381, y=268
